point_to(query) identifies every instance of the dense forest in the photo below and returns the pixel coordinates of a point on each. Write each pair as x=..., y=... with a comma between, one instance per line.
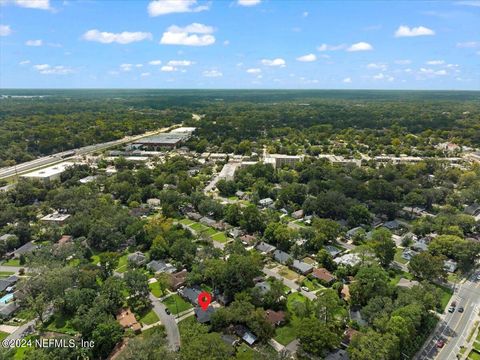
x=41, y=122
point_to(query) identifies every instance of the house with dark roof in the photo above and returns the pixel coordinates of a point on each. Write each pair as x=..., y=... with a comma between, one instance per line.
x=204, y=317
x=8, y=310
x=5, y=237
x=323, y=275
x=160, y=266
x=265, y=202
x=8, y=283
x=302, y=267
x=392, y=225
x=265, y=248
x=190, y=294
x=332, y=250
x=473, y=209
x=245, y=334
x=207, y=221
x=178, y=279
x=275, y=318
x=352, y=232
x=281, y=256
x=230, y=340
x=23, y=250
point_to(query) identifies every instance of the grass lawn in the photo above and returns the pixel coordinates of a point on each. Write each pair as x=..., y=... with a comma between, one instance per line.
x=210, y=231
x=175, y=302
x=149, y=318
x=287, y=273
x=311, y=285
x=293, y=297
x=3, y=335
x=198, y=227
x=232, y=198
x=186, y=222
x=476, y=346
x=6, y=273
x=155, y=289
x=95, y=259
x=286, y=334
x=12, y=262
x=122, y=264
x=474, y=355
x=61, y=324
x=446, y=296
x=244, y=352
x=220, y=237
x=452, y=277
x=398, y=256
x=308, y=260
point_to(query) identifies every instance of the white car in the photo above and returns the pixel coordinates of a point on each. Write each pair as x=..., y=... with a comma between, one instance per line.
x=304, y=288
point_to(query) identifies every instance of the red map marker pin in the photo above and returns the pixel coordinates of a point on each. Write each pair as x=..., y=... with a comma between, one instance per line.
x=204, y=299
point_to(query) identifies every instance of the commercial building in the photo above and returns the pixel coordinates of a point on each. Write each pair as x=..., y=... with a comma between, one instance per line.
x=55, y=218
x=279, y=160
x=49, y=173
x=168, y=140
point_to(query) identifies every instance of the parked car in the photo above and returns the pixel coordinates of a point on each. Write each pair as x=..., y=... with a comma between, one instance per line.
x=167, y=311
x=451, y=309
x=453, y=304
x=460, y=309
x=304, y=288
x=440, y=343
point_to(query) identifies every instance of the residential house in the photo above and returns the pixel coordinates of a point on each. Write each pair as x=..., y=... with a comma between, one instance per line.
x=139, y=211
x=245, y=334
x=7, y=311
x=275, y=318
x=207, y=221
x=5, y=237
x=194, y=216
x=65, y=239
x=332, y=250
x=23, y=250
x=55, y=218
x=240, y=194
x=347, y=259
x=235, y=232
x=265, y=202
x=265, y=248
x=281, y=256
x=352, y=232
x=263, y=286
x=297, y=214
x=348, y=335
x=137, y=258
x=190, y=294
x=392, y=225
x=8, y=283
x=323, y=275
x=202, y=316
x=160, y=266
x=408, y=254
x=127, y=320
x=248, y=239
x=450, y=265
x=230, y=340
x=301, y=267
x=153, y=202
x=345, y=293
x=178, y=279
x=420, y=245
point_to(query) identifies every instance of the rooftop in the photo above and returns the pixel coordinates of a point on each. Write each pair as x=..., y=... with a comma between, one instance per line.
x=48, y=171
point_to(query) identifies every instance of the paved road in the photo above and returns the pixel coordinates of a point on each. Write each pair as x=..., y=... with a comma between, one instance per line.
x=290, y=283
x=173, y=335
x=64, y=155
x=454, y=327
x=14, y=269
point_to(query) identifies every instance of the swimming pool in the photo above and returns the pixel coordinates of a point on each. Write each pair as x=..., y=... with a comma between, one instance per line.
x=6, y=299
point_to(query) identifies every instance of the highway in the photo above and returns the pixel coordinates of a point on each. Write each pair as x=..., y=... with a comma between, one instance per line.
x=455, y=327
x=65, y=155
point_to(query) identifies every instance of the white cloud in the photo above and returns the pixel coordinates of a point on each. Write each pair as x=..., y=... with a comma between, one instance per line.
x=274, y=62
x=469, y=3
x=47, y=69
x=163, y=7
x=403, y=62
x=212, y=73
x=382, y=76
x=248, y=2
x=377, y=66
x=155, y=62
x=34, y=42
x=31, y=4
x=144, y=74
x=254, y=71
x=469, y=44
x=305, y=14
x=5, y=30
x=138, y=65
x=307, y=58
x=123, y=38
x=226, y=42
x=435, y=62
x=126, y=67
x=405, y=31
x=168, y=68
x=187, y=35
x=24, y=62
x=360, y=46
x=180, y=63
x=431, y=72
x=347, y=80
x=326, y=47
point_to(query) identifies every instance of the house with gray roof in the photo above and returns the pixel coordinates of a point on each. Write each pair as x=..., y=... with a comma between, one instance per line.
x=281, y=256
x=160, y=266
x=265, y=248
x=190, y=294
x=204, y=317
x=301, y=267
x=137, y=258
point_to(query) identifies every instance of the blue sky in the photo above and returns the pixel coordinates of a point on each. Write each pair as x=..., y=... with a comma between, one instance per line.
x=240, y=44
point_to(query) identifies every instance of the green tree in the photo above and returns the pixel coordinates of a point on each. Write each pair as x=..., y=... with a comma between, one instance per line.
x=383, y=245
x=316, y=337
x=428, y=267
x=370, y=281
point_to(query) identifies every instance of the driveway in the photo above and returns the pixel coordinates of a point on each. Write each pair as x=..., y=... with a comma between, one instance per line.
x=173, y=335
